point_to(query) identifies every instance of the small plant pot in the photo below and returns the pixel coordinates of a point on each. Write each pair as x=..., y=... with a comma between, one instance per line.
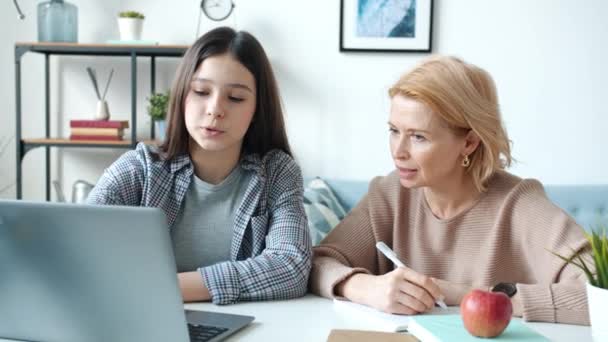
x=597, y=299
x=130, y=28
x=160, y=127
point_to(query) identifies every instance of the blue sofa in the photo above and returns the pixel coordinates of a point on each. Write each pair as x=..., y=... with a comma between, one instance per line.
x=588, y=204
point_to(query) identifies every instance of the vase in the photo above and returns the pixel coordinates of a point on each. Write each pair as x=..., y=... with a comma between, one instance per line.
x=160, y=127
x=597, y=300
x=57, y=22
x=130, y=28
x=103, y=112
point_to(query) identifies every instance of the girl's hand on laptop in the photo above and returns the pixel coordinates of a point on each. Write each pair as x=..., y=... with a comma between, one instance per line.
x=401, y=291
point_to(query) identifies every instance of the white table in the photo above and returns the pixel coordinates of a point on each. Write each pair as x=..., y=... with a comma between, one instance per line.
x=311, y=318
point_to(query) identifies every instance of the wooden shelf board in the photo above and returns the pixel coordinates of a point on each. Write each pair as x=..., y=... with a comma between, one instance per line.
x=99, y=45
x=104, y=49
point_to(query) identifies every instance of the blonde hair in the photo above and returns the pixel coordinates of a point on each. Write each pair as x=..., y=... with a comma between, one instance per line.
x=464, y=96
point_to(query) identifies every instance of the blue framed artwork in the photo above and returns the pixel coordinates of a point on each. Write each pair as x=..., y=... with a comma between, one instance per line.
x=386, y=25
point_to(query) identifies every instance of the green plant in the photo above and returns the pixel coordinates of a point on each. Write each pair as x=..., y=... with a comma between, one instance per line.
x=131, y=14
x=599, y=253
x=157, y=106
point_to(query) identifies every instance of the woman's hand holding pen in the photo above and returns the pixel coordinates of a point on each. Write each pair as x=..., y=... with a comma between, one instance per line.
x=401, y=291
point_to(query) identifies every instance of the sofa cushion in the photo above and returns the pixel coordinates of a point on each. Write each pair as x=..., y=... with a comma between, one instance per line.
x=587, y=204
x=323, y=209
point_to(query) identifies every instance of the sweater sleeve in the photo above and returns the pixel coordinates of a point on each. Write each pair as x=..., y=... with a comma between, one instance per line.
x=559, y=294
x=350, y=247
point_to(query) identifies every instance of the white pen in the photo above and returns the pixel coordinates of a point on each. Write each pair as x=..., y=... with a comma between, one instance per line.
x=382, y=247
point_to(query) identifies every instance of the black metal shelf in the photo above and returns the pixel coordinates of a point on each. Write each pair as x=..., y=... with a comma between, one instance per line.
x=48, y=49
x=29, y=144
x=103, y=49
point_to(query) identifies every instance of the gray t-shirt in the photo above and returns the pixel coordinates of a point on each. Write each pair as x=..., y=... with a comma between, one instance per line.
x=202, y=233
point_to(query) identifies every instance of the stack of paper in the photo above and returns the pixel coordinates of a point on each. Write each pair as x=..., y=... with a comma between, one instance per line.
x=380, y=320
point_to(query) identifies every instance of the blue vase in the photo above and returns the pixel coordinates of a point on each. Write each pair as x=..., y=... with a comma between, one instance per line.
x=57, y=22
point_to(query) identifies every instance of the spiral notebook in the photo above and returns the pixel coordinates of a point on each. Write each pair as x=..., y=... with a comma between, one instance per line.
x=442, y=328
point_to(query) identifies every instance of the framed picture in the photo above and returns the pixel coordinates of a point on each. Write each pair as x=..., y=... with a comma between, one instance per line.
x=386, y=25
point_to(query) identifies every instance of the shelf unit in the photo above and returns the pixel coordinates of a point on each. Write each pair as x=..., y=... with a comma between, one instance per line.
x=48, y=49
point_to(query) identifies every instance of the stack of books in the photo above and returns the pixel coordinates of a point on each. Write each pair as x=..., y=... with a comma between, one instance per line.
x=112, y=130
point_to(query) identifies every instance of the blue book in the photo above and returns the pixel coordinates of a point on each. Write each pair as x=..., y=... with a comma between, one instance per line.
x=442, y=328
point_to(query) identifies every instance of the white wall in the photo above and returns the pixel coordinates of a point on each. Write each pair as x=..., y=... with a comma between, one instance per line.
x=547, y=57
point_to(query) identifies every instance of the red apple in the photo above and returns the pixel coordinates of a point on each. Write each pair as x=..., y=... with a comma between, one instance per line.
x=486, y=314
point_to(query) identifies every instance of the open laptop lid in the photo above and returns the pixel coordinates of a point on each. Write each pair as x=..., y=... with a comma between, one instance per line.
x=87, y=273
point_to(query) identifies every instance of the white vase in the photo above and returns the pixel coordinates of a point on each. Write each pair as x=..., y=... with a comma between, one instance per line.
x=103, y=112
x=160, y=127
x=597, y=299
x=130, y=28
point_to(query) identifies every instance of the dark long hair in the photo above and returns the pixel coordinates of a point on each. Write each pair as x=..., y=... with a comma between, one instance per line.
x=267, y=128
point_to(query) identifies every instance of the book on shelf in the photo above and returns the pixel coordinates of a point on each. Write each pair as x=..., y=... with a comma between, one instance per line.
x=95, y=137
x=441, y=328
x=112, y=132
x=100, y=123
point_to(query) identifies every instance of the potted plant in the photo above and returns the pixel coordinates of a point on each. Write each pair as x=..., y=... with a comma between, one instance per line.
x=157, y=109
x=130, y=24
x=597, y=286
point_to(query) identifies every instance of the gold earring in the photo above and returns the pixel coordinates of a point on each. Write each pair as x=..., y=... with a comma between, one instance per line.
x=466, y=161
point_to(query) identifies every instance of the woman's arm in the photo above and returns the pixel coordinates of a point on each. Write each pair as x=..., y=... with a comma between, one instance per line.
x=346, y=262
x=122, y=182
x=281, y=270
x=558, y=293
x=348, y=249
x=193, y=287
x=555, y=291
x=560, y=300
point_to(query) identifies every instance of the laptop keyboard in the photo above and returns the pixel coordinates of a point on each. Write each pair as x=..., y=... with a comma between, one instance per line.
x=201, y=333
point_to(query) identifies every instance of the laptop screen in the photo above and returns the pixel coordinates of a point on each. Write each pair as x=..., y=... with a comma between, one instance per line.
x=87, y=273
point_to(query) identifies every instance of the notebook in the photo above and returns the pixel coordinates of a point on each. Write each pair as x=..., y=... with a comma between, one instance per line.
x=441, y=328
x=380, y=320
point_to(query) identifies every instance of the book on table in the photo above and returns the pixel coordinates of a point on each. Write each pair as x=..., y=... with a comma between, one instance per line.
x=346, y=335
x=442, y=328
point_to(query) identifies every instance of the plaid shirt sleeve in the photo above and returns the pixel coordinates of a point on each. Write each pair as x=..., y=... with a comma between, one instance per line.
x=122, y=182
x=281, y=271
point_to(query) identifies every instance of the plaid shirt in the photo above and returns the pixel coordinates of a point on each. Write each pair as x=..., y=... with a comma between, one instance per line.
x=270, y=257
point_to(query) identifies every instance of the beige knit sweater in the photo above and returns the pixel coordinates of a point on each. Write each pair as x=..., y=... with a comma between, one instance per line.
x=505, y=237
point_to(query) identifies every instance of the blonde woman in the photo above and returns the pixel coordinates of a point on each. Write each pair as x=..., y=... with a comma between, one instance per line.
x=451, y=212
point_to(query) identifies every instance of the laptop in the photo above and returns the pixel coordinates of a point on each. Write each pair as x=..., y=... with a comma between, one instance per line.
x=95, y=273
